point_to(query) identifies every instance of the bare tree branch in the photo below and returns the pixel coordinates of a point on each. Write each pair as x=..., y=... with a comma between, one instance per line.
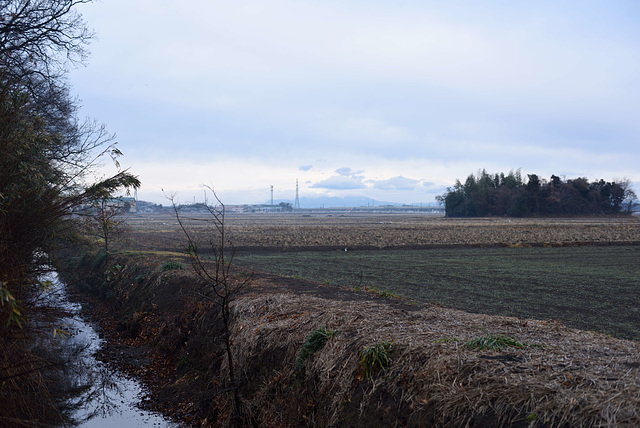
x=221, y=286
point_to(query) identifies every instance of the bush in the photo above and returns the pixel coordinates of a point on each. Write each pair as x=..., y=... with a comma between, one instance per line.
x=375, y=357
x=312, y=344
x=172, y=265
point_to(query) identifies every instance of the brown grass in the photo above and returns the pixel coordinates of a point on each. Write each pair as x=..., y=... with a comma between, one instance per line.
x=562, y=377
x=292, y=231
x=572, y=377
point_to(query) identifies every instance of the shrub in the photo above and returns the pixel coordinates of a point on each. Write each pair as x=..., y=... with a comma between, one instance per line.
x=312, y=344
x=374, y=357
x=99, y=260
x=172, y=265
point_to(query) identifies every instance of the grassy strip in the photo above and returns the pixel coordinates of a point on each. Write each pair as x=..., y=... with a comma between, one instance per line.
x=492, y=342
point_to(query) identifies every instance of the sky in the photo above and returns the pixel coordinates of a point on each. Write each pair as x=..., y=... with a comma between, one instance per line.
x=393, y=101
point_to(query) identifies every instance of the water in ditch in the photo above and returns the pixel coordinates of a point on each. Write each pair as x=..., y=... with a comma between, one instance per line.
x=95, y=394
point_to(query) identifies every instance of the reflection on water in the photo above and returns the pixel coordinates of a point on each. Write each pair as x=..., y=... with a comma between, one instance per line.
x=92, y=393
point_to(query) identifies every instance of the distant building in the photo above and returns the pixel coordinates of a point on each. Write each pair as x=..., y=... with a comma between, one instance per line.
x=122, y=204
x=129, y=204
x=280, y=208
x=148, y=207
x=236, y=208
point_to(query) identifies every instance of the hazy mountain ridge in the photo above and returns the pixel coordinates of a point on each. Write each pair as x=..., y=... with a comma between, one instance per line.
x=340, y=202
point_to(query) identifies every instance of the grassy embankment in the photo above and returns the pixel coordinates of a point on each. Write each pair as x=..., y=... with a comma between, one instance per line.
x=431, y=371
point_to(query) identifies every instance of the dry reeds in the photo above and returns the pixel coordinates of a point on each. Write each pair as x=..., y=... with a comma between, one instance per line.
x=559, y=376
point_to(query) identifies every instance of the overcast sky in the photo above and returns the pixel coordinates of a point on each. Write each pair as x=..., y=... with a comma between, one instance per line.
x=389, y=100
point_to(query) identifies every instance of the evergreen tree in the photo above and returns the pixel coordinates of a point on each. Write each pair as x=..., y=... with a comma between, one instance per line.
x=499, y=194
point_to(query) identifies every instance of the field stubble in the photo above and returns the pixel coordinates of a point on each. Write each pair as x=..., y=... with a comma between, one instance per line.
x=274, y=232
x=583, y=271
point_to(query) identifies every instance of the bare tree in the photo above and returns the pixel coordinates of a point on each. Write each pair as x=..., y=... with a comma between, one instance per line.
x=629, y=197
x=221, y=283
x=40, y=37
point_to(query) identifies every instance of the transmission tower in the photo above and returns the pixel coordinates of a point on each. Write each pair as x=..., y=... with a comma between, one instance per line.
x=296, y=205
x=272, y=195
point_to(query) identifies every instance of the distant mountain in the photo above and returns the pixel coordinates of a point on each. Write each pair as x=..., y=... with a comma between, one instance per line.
x=337, y=202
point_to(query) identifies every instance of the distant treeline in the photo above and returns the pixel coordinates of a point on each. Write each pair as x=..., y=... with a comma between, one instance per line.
x=485, y=194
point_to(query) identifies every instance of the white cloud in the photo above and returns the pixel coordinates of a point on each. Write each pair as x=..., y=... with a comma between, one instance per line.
x=343, y=179
x=348, y=172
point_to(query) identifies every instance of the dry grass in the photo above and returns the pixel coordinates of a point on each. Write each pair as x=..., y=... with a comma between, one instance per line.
x=559, y=377
x=292, y=231
x=571, y=377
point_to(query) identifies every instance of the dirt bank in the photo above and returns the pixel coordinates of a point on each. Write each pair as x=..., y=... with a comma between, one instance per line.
x=162, y=331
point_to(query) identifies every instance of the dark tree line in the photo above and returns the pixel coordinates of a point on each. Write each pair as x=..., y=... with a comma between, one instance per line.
x=46, y=155
x=486, y=194
x=46, y=152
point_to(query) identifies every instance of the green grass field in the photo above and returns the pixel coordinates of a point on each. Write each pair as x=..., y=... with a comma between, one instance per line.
x=591, y=288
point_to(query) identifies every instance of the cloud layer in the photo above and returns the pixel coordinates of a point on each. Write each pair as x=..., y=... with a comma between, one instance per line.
x=383, y=100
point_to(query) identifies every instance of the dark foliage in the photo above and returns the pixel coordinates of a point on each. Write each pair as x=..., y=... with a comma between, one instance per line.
x=484, y=194
x=45, y=157
x=312, y=344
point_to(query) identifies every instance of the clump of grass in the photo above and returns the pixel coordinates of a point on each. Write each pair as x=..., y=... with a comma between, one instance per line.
x=494, y=343
x=380, y=293
x=171, y=265
x=389, y=294
x=374, y=357
x=312, y=344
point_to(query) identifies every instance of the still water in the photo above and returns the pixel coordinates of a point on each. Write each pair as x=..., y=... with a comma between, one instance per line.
x=97, y=394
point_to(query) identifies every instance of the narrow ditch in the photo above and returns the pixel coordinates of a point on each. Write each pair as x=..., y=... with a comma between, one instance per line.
x=91, y=393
